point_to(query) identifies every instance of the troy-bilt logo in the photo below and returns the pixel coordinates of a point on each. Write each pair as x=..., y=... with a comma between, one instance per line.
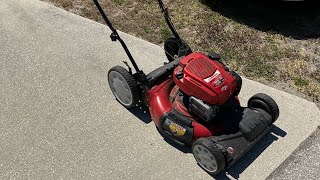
x=216, y=78
x=218, y=81
x=215, y=74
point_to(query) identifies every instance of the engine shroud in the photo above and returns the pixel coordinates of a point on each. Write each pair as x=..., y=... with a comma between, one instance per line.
x=198, y=76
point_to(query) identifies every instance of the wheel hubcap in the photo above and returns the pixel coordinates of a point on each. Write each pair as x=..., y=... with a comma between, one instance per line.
x=205, y=159
x=120, y=88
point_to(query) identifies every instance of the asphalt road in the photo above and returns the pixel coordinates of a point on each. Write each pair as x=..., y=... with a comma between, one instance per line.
x=59, y=120
x=303, y=163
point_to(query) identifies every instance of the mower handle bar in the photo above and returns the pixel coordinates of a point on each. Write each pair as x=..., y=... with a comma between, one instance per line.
x=170, y=24
x=115, y=36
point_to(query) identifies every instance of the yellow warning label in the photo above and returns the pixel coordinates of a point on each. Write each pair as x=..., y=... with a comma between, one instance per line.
x=176, y=129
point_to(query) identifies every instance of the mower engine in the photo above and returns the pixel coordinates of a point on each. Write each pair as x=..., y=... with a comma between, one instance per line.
x=207, y=82
x=204, y=111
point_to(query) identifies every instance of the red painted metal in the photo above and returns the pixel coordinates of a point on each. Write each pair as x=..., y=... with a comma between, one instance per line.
x=205, y=79
x=158, y=100
x=177, y=103
x=200, y=131
x=200, y=80
x=162, y=98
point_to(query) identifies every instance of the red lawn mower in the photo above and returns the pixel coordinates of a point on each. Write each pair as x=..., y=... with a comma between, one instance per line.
x=193, y=101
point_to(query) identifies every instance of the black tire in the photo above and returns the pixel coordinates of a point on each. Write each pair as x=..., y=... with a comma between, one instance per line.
x=208, y=156
x=266, y=103
x=123, y=86
x=171, y=48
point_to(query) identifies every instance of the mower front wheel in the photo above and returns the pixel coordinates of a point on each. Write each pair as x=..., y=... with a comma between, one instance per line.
x=266, y=103
x=123, y=86
x=208, y=156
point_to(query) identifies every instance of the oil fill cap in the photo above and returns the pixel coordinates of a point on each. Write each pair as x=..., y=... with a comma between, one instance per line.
x=179, y=75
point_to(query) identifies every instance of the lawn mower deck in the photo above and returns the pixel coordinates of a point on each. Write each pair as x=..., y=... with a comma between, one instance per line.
x=193, y=101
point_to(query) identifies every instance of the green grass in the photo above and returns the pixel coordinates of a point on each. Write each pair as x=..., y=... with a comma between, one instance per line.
x=258, y=44
x=165, y=33
x=301, y=81
x=120, y=2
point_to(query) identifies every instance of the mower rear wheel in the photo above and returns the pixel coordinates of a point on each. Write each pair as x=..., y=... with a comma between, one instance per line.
x=208, y=156
x=266, y=103
x=123, y=86
x=171, y=48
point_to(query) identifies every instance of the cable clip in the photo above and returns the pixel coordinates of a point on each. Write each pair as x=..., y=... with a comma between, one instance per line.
x=113, y=36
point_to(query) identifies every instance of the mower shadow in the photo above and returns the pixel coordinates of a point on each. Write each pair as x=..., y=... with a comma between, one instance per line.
x=299, y=20
x=248, y=158
x=184, y=149
x=143, y=114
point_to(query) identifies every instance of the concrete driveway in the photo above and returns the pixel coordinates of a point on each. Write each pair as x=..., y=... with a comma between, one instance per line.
x=59, y=120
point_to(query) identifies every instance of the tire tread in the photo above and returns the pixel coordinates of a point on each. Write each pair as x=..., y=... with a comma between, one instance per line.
x=215, y=151
x=270, y=102
x=131, y=82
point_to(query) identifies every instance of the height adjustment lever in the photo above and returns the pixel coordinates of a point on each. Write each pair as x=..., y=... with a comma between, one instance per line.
x=129, y=68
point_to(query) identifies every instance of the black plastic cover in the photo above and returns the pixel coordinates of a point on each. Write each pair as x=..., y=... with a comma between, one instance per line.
x=176, y=127
x=253, y=123
x=162, y=72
